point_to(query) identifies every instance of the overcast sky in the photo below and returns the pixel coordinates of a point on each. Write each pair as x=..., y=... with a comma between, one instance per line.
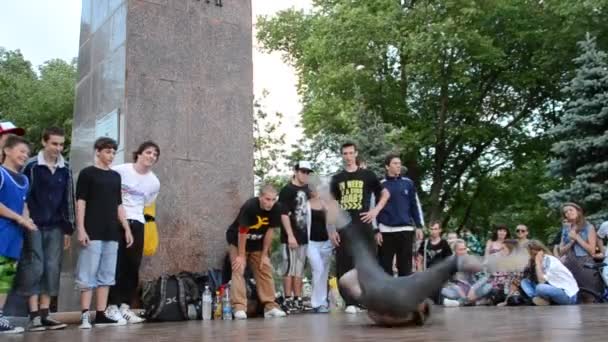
x=45, y=29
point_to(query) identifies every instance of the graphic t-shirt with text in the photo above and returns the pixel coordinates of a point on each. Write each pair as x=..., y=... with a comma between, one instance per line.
x=353, y=191
x=294, y=201
x=257, y=221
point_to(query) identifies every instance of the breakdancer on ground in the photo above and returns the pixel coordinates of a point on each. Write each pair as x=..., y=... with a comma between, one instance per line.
x=394, y=301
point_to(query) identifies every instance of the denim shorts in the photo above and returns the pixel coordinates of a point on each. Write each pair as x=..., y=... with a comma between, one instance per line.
x=96, y=265
x=39, y=268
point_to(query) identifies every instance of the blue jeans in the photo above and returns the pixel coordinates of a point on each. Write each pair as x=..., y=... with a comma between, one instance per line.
x=96, y=265
x=551, y=293
x=39, y=268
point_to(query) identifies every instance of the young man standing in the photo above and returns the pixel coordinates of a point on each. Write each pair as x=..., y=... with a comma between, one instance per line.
x=140, y=186
x=13, y=218
x=398, y=220
x=352, y=188
x=294, y=235
x=249, y=238
x=99, y=216
x=51, y=206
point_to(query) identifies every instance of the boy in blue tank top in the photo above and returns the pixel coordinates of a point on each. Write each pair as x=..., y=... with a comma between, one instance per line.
x=13, y=218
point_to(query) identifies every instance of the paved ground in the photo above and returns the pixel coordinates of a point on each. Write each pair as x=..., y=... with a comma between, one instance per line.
x=567, y=323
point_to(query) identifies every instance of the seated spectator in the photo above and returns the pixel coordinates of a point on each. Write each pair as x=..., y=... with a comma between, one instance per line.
x=512, y=263
x=451, y=237
x=465, y=288
x=578, y=247
x=547, y=280
x=522, y=236
x=496, y=250
x=473, y=244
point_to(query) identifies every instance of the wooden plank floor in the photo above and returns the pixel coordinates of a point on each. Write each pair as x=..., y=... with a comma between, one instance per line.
x=566, y=323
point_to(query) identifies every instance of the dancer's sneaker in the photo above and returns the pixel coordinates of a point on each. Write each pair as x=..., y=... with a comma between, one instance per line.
x=130, y=316
x=276, y=312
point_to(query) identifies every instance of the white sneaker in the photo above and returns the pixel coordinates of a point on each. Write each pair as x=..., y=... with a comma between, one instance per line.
x=130, y=316
x=276, y=312
x=240, y=315
x=450, y=302
x=85, y=321
x=113, y=314
x=351, y=309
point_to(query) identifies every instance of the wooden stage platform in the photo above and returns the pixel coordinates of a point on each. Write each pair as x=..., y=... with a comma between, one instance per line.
x=518, y=324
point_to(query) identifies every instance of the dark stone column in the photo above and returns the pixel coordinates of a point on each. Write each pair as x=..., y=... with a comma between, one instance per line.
x=179, y=72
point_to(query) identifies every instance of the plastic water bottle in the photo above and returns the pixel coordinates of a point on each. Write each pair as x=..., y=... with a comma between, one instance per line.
x=306, y=288
x=207, y=304
x=226, y=307
x=217, y=307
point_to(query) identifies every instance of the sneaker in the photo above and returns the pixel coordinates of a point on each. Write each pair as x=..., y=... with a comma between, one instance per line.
x=298, y=304
x=110, y=317
x=240, y=314
x=52, y=324
x=321, y=309
x=450, y=302
x=351, y=309
x=539, y=301
x=85, y=321
x=130, y=316
x=276, y=312
x=7, y=328
x=35, y=324
x=287, y=305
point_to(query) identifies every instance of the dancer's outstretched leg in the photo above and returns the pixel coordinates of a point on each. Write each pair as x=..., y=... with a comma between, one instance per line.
x=389, y=297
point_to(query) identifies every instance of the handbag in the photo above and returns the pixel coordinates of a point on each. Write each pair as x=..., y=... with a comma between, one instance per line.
x=150, y=231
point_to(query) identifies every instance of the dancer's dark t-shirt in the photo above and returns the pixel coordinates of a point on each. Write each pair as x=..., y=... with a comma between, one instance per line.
x=435, y=252
x=257, y=220
x=294, y=200
x=353, y=190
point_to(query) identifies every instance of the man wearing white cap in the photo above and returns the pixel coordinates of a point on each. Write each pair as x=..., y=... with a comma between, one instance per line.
x=6, y=129
x=294, y=235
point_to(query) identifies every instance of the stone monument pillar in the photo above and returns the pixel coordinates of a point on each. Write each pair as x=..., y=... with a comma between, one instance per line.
x=178, y=72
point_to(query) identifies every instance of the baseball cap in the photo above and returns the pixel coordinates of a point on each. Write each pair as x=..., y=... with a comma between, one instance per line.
x=9, y=127
x=304, y=165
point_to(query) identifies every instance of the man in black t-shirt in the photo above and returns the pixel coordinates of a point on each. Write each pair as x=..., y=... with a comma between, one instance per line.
x=99, y=217
x=352, y=188
x=249, y=238
x=294, y=235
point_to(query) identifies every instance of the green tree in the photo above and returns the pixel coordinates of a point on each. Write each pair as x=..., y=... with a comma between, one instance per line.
x=268, y=145
x=582, y=136
x=467, y=85
x=35, y=101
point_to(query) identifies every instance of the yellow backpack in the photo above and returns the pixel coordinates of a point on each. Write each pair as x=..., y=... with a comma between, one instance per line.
x=150, y=231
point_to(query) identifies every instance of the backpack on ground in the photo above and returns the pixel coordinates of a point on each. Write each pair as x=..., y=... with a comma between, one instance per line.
x=171, y=298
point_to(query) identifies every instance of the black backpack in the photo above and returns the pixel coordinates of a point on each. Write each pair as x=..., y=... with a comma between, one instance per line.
x=171, y=298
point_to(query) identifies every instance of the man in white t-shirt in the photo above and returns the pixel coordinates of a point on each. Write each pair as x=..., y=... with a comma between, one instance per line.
x=140, y=186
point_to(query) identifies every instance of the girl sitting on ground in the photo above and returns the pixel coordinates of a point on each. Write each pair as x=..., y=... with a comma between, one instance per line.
x=548, y=280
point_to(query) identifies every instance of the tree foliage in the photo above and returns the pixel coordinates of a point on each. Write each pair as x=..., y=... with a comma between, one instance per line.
x=467, y=86
x=582, y=136
x=268, y=145
x=37, y=100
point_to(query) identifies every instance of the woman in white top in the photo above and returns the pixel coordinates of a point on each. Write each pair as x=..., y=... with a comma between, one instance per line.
x=548, y=281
